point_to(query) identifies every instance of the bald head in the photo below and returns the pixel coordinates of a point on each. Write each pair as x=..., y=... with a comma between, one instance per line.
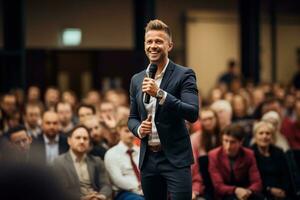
x=50, y=125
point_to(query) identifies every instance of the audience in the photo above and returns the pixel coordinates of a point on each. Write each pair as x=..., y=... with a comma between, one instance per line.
x=51, y=142
x=33, y=119
x=122, y=163
x=8, y=106
x=83, y=176
x=84, y=111
x=233, y=168
x=231, y=73
x=202, y=142
x=44, y=134
x=224, y=112
x=64, y=112
x=93, y=98
x=51, y=97
x=279, y=140
x=98, y=141
x=271, y=162
x=291, y=130
x=19, y=144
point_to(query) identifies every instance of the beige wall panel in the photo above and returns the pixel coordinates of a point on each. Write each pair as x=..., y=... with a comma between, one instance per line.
x=288, y=43
x=105, y=24
x=265, y=53
x=212, y=39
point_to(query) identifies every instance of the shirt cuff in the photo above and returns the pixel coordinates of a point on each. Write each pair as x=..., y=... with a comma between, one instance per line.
x=138, y=132
x=162, y=100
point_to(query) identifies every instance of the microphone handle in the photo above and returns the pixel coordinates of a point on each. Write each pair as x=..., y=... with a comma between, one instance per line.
x=147, y=96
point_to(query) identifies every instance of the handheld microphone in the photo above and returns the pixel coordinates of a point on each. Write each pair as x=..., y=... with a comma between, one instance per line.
x=152, y=72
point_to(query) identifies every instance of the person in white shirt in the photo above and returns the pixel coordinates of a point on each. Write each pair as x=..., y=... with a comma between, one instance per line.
x=121, y=162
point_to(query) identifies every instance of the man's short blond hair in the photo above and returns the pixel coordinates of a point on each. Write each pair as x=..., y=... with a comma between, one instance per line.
x=158, y=25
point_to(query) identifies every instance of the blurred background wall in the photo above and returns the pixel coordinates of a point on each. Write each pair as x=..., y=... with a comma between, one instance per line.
x=207, y=33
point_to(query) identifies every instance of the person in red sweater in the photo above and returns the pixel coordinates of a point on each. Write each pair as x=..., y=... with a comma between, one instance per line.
x=233, y=168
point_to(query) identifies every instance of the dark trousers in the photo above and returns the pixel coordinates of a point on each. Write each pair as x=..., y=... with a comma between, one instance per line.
x=161, y=179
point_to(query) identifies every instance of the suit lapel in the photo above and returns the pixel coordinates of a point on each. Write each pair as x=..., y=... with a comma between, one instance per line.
x=71, y=168
x=141, y=95
x=225, y=160
x=166, y=77
x=91, y=170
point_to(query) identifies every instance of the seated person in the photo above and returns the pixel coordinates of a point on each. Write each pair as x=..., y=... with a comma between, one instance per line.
x=84, y=176
x=291, y=130
x=279, y=139
x=233, y=167
x=121, y=162
x=202, y=142
x=271, y=162
x=51, y=143
x=19, y=143
x=99, y=146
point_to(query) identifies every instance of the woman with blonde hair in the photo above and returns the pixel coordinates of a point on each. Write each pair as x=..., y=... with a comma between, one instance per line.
x=279, y=139
x=271, y=162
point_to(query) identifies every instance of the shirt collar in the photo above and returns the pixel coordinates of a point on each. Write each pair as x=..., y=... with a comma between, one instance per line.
x=162, y=72
x=75, y=159
x=55, y=141
x=124, y=147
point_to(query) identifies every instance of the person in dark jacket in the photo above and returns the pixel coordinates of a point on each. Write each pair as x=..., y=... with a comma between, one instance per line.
x=271, y=162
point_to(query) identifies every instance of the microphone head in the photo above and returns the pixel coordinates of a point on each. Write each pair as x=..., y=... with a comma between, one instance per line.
x=153, y=68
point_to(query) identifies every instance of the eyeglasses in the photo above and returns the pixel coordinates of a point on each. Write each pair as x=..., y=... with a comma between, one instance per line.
x=22, y=141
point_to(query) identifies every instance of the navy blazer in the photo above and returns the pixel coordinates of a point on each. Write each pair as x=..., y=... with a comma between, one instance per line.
x=181, y=104
x=38, y=150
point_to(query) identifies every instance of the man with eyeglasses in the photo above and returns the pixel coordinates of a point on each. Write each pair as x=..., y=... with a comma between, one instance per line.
x=19, y=143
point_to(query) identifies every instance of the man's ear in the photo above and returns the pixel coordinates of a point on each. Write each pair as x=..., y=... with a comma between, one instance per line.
x=170, y=46
x=69, y=141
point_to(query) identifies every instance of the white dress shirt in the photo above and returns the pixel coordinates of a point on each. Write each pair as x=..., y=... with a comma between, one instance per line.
x=117, y=163
x=52, y=149
x=151, y=108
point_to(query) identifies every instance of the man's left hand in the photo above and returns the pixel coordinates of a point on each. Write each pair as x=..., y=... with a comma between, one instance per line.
x=149, y=86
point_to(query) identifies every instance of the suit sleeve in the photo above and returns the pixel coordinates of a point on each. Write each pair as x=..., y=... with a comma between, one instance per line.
x=104, y=183
x=217, y=179
x=187, y=106
x=114, y=169
x=134, y=120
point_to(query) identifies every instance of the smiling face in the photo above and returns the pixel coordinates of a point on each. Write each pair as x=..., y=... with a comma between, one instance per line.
x=157, y=46
x=263, y=136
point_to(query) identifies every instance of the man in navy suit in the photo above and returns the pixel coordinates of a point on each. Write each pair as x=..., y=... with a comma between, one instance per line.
x=51, y=142
x=166, y=154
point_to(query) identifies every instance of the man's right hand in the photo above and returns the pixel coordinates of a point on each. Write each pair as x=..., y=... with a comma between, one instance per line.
x=146, y=126
x=242, y=193
x=277, y=192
